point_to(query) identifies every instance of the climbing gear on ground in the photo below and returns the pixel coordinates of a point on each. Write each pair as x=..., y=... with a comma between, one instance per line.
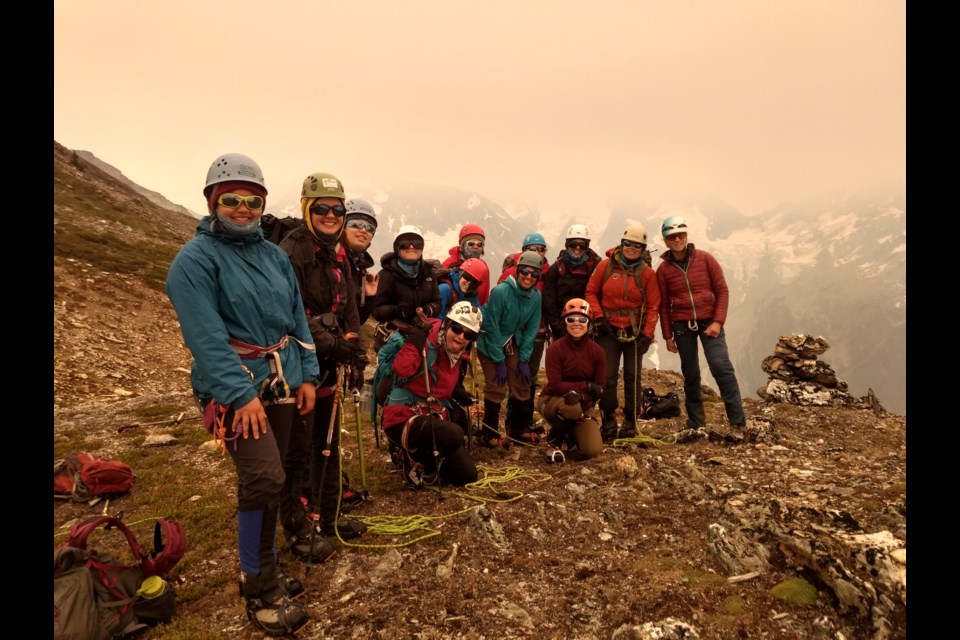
x=84, y=476
x=345, y=528
x=554, y=454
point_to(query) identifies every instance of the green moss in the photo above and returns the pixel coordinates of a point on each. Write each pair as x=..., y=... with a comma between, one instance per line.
x=733, y=605
x=796, y=591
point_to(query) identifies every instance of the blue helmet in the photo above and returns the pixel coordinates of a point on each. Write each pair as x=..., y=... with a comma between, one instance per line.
x=532, y=239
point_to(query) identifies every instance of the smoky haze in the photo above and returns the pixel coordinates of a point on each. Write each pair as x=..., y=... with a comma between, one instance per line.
x=548, y=102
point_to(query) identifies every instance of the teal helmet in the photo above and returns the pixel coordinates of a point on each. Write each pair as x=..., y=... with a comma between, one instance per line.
x=532, y=239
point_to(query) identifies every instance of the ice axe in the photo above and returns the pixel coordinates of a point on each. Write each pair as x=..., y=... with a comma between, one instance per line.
x=174, y=421
x=363, y=467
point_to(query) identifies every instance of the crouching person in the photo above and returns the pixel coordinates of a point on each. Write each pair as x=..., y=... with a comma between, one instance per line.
x=576, y=371
x=416, y=415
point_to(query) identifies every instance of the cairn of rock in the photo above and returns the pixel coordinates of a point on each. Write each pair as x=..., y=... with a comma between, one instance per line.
x=796, y=376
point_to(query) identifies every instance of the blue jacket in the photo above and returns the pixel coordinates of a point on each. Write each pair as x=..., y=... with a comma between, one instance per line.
x=510, y=312
x=244, y=288
x=450, y=294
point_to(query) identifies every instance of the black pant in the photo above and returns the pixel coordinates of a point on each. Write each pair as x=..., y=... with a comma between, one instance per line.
x=429, y=434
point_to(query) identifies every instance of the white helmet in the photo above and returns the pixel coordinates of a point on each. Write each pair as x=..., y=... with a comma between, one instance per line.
x=409, y=228
x=578, y=231
x=467, y=315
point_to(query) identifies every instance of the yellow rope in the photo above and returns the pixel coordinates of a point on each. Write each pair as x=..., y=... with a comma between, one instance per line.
x=411, y=524
x=644, y=440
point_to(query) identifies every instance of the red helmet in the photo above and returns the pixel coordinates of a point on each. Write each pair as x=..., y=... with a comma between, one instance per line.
x=471, y=229
x=576, y=306
x=477, y=269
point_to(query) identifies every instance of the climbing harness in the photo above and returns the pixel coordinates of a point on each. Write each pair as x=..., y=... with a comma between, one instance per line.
x=274, y=388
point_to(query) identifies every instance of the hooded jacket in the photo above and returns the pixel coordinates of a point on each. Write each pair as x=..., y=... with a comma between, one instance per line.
x=511, y=312
x=561, y=282
x=397, y=289
x=225, y=287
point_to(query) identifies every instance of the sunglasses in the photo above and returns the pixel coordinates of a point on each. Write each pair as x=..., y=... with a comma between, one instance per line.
x=323, y=209
x=233, y=200
x=410, y=244
x=476, y=244
x=677, y=236
x=470, y=279
x=528, y=272
x=632, y=245
x=576, y=320
x=360, y=224
x=582, y=246
x=462, y=331
x=539, y=248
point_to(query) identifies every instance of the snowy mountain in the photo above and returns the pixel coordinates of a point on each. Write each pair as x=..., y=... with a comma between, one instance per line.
x=834, y=267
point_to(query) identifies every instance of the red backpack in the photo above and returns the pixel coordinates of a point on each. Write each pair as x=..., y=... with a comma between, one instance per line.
x=83, y=476
x=96, y=596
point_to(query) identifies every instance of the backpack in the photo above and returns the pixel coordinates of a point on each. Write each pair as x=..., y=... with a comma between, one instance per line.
x=384, y=378
x=440, y=273
x=637, y=271
x=96, y=596
x=656, y=407
x=83, y=476
x=276, y=229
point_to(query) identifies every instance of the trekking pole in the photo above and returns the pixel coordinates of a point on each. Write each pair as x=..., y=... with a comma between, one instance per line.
x=433, y=426
x=363, y=467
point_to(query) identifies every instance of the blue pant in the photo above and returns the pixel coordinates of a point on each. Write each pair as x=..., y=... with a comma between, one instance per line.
x=718, y=359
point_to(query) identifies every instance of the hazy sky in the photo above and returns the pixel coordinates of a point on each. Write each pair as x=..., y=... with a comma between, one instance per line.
x=547, y=101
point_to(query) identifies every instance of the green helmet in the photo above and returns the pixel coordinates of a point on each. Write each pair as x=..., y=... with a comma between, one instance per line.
x=322, y=185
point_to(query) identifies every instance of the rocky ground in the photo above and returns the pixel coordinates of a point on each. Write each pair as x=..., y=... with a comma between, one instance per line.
x=674, y=535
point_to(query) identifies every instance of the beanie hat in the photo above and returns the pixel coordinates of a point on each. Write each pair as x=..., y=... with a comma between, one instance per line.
x=226, y=187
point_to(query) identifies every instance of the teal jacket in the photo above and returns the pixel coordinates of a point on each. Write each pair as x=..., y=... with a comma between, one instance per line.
x=224, y=287
x=510, y=312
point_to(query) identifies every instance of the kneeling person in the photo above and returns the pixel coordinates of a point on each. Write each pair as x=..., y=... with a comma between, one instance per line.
x=576, y=372
x=416, y=411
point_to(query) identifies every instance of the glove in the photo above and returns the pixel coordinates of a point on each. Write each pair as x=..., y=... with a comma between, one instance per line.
x=356, y=377
x=571, y=397
x=404, y=311
x=643, y=343
x=594, y=390
x=323, y=339
x=346, y=351
x=601, y=326
x=417, y=337
x=500, y=377
x=462, y=397
x=523, y=368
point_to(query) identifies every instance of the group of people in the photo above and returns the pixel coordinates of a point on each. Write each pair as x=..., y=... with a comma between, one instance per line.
x=271, y=310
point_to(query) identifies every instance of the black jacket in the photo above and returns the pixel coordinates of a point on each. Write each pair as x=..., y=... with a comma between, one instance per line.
x=561, y=282
x=399, y=295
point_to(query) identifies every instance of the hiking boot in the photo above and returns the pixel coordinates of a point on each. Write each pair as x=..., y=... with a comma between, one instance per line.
x=608, y=431
x=628, y=430
x=345, y=528
x=309, y=543
x=293, y=587
x=351, y=498
x=270, y=608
